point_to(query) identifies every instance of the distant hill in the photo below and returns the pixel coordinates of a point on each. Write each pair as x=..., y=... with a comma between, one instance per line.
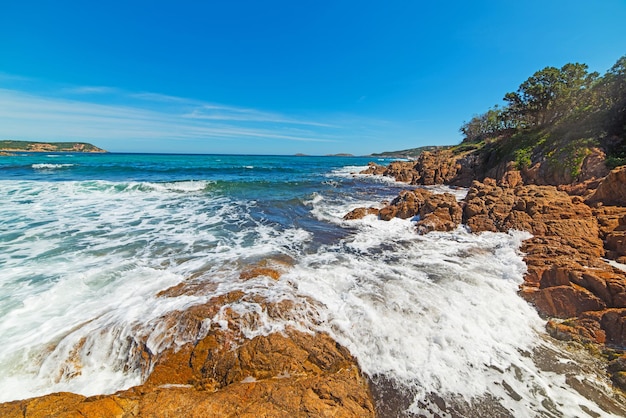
x=30, y=146
x=408, y=153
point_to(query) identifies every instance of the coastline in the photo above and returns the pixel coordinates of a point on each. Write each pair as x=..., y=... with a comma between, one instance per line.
x=8, y=146
x=578, y=237
x=227, y=372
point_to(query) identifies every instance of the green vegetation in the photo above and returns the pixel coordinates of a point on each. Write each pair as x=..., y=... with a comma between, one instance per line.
x=30, y=146
x=522, y=158
x=557, y=114
x=408, y=153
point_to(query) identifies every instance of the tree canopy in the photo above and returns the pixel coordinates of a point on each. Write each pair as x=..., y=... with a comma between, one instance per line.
x=557, y=96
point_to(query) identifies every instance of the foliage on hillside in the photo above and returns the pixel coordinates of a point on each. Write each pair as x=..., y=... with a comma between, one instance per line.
x=557, y=115
x=407, y=153
x=30, y=146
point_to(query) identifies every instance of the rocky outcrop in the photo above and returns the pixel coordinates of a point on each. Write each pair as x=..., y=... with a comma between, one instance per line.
x=403, y=171
x=574, y=227
x=224, y=374
x=277, y=375
x=434, y=212
x=360, y=213
x=612, y=190
x=455, y=168
x=437, y=167
x=566, y=275
x=374, y=169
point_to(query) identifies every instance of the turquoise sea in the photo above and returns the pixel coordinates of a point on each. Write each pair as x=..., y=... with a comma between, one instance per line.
x=87, y=241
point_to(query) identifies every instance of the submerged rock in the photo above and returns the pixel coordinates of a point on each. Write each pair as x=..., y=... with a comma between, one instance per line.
x=295, y=374
x=223, y=373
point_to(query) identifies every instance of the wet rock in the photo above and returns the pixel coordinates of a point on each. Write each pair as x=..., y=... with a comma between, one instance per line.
x=434, y=212
x=360, y=213
x=273, y=268
x=567, y=277
x=375, y=169
x=582, y=330
x=564, y=301
x=224, y=374
x=403, y=171
x=205, y=366
x=573, y=225
x=613, y=321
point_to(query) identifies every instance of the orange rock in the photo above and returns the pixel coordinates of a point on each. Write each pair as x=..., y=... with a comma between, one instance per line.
x=260, y=271
x=583, y=330
x=360, y=213
x=225, y=374
x=436, y=212
x=613, y=322
x=612, y=190
x=564, y=301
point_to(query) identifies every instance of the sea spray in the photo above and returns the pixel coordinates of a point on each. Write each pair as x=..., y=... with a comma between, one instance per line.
x=80, y=279
x=434, y=320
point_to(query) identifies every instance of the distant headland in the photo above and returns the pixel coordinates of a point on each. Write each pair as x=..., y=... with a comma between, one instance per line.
x=8, y=146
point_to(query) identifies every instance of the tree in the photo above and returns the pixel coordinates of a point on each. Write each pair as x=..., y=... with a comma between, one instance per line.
x=488, y=124
x=550, y=95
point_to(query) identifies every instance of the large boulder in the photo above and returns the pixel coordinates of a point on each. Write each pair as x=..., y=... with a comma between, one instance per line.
x=612, y=190
x=222, y=373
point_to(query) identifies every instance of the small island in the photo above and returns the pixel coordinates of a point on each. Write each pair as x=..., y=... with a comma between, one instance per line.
x=8, y=146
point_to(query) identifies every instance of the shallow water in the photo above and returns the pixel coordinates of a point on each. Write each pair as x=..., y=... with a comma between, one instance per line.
x=87, y=242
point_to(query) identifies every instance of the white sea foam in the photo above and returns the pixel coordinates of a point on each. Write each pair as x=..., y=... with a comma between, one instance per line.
x=435, y=314
x=47, y=166
x=348, y=171
x=355, y=172
x=181, y=186
x=458, y=192
x=83, y=262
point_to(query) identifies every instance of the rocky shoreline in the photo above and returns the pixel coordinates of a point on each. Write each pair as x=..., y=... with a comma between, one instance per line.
x=578, y=229
x=221, y=373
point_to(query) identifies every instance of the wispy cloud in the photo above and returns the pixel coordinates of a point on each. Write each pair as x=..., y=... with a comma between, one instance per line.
x=120, y=120
x=229, y=113
x=34, y=116
x=158, y=97
x=91, y=90
x=13, y=77
x=219, y=112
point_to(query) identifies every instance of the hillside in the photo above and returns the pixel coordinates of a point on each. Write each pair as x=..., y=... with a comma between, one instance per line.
x=407, y=153
x=563, y=126
x=30, y=146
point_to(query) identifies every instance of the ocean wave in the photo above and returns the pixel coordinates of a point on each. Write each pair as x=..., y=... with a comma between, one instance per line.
x=180, y=186
x=47, y=166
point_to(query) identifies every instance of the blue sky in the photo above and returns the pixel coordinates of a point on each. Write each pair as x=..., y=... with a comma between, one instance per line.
x=281, y=77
